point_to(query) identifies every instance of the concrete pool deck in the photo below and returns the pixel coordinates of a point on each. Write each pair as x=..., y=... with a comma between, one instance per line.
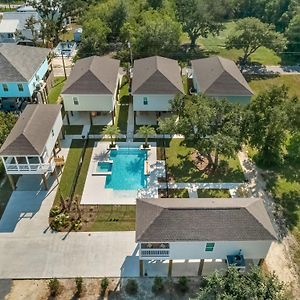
x=94, y=191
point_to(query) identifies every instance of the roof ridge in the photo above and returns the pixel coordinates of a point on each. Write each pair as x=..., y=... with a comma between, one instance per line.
x=11, y=63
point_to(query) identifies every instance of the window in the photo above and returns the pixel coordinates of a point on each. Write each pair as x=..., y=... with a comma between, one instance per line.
x=145, y=101
x=10, y=35
x=209, y=247
x=75, y=101
x=52, y=132
x=20, y=87
x=5, y=87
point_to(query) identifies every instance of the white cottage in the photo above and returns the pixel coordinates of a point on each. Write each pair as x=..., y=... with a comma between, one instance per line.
x=156, y=81
x=29, y=148
x=235, y=230
x=90, y=93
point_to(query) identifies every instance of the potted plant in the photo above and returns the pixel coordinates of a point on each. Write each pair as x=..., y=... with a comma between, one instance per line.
x=145, y=131
x=112, y=131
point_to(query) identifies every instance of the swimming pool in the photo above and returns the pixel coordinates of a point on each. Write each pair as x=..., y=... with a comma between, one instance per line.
x=127, y=169
x=103, y=167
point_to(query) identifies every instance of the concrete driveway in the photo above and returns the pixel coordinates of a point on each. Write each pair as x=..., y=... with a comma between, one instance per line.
x=30, y=250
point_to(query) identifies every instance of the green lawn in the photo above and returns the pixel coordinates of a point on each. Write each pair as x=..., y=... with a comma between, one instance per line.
x=56, y=89
x=215, y=45
x=84, y=168
x=208, y=193
x=265, y=82
x=5, y=193
x=182, y=169
x=114, y=218
x=69, y=171
x=96, y=129
x=73, y=129
x=122, y=108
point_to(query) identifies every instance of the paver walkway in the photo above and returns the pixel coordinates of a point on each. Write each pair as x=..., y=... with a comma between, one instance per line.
x=130, y=124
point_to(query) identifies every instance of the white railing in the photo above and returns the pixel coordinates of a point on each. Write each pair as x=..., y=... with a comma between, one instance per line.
x=30, y=168
x=154, y=252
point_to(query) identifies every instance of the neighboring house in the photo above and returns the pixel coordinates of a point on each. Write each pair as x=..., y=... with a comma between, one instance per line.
x=156, y=81
x=8, y=29
x=236, y=230
x=30, y=147
x=220, y=78
x=90, y=92
x=24, y=76
x=21, y=31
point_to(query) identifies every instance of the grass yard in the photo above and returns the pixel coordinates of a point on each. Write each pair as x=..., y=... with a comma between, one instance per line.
x=122, y=108
x=208, y=193
x=215, y=45
x=96, y=129
x=73, y=129
x=69, y=171
x=5, y=193
x=173, y=193
x=56, y=90
x=263, y=83
x=113, y=218
x=68, y=35
x=182, y=169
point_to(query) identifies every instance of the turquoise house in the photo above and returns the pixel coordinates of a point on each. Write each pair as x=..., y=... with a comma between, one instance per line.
x=23, y=76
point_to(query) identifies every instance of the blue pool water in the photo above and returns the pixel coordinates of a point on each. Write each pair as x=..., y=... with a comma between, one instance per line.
x=127, y=169
x=103, y=166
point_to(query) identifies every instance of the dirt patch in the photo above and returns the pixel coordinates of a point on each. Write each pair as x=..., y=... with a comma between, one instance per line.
x=279, y=260
x=200, y=161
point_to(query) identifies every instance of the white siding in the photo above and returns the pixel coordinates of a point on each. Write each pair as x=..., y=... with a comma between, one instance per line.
x=53, y=138
x=89, y=102
x=196, y=250
x=155, y=102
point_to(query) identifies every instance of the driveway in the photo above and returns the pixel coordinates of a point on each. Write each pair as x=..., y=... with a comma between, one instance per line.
x=30, y=250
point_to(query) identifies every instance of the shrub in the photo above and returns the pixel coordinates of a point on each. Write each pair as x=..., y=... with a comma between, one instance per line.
x=54, y=211
x=158, y=285
x=53, y=286
x=104, y=285
x=183, y=284
x=61, y=220
x=131, y=287
x=78, y=282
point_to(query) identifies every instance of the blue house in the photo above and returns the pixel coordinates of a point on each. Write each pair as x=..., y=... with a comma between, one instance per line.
x=24, y=75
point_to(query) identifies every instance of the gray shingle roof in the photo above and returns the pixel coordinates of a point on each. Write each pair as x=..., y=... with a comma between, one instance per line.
x=93, y=75
x=20, y=63
x=32, y=130
x=22, y=17
x=219, y=76
x=167, y=220
x=156, y=75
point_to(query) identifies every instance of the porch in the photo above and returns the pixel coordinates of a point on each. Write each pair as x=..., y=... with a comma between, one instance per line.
x=150, y=117
x=88, y=118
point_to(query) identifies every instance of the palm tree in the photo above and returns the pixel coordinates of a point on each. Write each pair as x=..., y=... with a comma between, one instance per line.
x=146, y=131
x=113, y=131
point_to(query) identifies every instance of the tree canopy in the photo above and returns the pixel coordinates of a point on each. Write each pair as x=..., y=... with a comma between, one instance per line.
x=251, y=34
x=235, y=286
x=293, y=35
x=212, y=126
x=268, y=122
x=199, y=18
x=7, y=122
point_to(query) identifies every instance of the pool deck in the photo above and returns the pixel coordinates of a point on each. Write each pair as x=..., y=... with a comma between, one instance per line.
x=94, y=191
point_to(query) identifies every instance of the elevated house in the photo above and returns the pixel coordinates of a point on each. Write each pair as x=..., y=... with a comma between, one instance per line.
x=90, y=93
x=220, y=78
x=13, y=27
x=25, y=75
x=156, y=81
x=30, y=147
x=233, y=230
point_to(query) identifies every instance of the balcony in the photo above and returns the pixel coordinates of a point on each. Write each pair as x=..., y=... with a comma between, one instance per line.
x=30, y=168
x=155, y=250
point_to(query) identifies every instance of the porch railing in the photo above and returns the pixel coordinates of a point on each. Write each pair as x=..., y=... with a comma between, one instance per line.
x=30, y=168
x=154, y=253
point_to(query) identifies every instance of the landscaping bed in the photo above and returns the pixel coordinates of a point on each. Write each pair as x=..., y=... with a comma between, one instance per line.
x=173, y=193
x=210, y=193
